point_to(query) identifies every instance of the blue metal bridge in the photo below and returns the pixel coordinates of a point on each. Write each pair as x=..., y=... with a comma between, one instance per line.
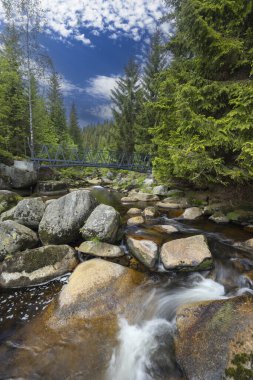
x=64, y=156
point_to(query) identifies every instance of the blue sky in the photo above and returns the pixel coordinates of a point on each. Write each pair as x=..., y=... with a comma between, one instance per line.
x=90, y=41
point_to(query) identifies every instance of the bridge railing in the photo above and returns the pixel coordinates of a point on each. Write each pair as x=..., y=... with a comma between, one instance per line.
x=65, y=156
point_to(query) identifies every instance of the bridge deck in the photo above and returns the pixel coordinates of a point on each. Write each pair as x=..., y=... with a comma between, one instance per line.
x=62, y=157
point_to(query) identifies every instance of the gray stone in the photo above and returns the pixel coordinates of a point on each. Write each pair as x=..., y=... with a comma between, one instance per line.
x=103, y=223
x=192, y=213
x=219, y=218
x=29, y=212
x=52, y=188
x=146, y=251
x=101, y=249
x=187, y=254
x=8, y=215
x=160, y=190
x=146, y=197
x=129, y=199
x=65, y=216
x=35, y=266
x=18, y=178
x=14, y=237
x=148, y=182
x=8, y=199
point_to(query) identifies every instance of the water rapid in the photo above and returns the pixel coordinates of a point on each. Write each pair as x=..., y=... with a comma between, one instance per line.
x=145, y=350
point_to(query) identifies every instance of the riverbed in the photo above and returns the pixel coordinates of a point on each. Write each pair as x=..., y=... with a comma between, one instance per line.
x=139, y=346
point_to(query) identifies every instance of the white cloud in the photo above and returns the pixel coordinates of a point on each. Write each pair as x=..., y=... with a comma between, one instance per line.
x=132, y=18
x=69, y=88
x=103, y=112
x=101, y=86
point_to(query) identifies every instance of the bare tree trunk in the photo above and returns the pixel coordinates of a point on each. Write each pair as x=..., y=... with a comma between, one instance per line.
x=29, y=86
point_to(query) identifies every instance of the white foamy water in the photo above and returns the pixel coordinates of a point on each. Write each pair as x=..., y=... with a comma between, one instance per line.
x=145, y=350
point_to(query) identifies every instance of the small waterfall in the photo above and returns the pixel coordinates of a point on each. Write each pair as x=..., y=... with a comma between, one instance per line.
x=145, y=350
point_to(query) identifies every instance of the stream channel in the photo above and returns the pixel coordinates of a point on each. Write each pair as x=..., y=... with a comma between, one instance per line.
x=139, y=347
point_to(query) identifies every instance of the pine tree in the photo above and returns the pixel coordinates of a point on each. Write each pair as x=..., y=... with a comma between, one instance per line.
x=127, y=101
x=74, y=128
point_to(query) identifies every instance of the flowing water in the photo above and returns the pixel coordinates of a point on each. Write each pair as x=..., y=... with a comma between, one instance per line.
x=139, y=348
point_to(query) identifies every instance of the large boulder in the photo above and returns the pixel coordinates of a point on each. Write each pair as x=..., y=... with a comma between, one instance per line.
x=29, y=212
x=19, y=178
x=146, y=251
x=100, y=249
x=36, y=266
x=134, y=211
x=165, y=228
x=8, y=199
x=14, y=238
x=187, y=254
x=8, y=215
x=241, y=216
x=219, y=218
x=192, y=213
x=65, y=216
x=103, y=224
x=98, y=288
x=214, y=339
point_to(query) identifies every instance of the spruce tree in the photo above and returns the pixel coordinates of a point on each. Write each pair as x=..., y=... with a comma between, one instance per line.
x=56, y=110
x=126, y=98
x=74, y=128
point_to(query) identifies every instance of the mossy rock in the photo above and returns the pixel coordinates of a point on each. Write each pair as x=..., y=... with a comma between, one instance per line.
x=8, y=200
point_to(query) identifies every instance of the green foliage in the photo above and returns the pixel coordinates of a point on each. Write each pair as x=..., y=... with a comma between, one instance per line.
x=204, y=109
x=74, y=129
x=127, y=100
x=99, y=136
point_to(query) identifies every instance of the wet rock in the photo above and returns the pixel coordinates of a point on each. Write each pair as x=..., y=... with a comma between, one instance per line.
x=8, y=199
x=95, y=181
x=65, y=216
x=110, y=175
x=219, y=218
x=160, y=190
x=52, y=188
x=101, y=249
x=150, y=212
x=188, y=254
x=146, y=197
x=146, y=251
x=249, y=228
x=103, y=224
x=129, y=199
x=135, y=221
x=212, y=334
x=192, y=213
x=14, y=238
x=217, y=207
x=240, y=216
x=29, y=212
x=172, y=204
x=134, y=211
x=35, y=266
x=98, y=288
x=165, y=229
x=249, y=243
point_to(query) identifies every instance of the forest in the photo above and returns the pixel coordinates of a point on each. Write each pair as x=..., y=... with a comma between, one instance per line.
x=190, y=105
